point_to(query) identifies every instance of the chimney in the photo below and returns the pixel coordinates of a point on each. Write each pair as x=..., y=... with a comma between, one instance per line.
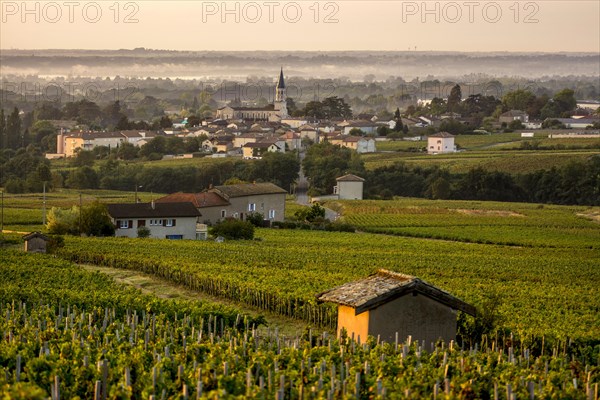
x=152, y=204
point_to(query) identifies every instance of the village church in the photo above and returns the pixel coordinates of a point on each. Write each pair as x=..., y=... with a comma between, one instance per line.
x=272, y=112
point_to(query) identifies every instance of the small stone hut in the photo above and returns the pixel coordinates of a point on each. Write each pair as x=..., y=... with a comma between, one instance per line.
x=36, y=242
x=387, y=303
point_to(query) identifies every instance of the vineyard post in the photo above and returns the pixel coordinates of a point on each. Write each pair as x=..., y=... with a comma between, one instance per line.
x=2, y=217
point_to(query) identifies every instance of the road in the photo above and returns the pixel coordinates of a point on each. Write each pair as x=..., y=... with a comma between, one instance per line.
x=302, y=196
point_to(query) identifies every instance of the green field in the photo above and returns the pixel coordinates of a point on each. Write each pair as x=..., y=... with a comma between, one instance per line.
x=60, y=341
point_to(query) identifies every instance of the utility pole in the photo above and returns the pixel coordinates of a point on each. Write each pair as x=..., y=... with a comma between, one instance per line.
x=80, y=205
x=44, y=206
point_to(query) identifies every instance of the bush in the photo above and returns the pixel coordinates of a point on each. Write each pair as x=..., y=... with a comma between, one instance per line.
x=143, y=232
x=256, y=219
x=234, y=229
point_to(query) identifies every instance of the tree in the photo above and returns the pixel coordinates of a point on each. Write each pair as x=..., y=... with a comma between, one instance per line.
x=41, y=129
x=325, y=162
x=310, y=214
x=61, y=221
x=127, y=151
x=399, y=127
x=14, y=139
x=165, y=122
x=95, y=220
x=84, y=158
x=561, y=105
x=454, y=99
x=2, y=130
x=519, y=99
x=331, y=107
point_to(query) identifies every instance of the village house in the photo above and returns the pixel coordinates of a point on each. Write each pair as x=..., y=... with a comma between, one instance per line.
x=393, y=306
x=513, y=115
x=349, y=187
x=356, y=143
x=441, y=142
x=292, y=140
x=235, y=201
x=164, y=220
x=257, y=149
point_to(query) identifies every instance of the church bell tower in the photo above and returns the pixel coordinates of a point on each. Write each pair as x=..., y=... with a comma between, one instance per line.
x=280, y=96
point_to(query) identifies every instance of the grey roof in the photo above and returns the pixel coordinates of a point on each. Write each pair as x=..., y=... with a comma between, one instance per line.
x=35, y=234
x=442, y=135
x=248, y=189
x=350, y=178
x=156, y=210
x=385, y=286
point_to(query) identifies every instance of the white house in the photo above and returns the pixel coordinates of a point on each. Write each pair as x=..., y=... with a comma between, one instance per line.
x=441, y=142
x=349, y=187
x=164, y=220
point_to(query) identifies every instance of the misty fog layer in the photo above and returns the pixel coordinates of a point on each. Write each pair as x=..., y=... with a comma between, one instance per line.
x=140, y=63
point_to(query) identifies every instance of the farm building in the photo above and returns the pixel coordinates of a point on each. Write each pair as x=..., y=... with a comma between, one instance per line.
x=35, y=242
x=441, y=142
x=349, y=187
x=387, y=303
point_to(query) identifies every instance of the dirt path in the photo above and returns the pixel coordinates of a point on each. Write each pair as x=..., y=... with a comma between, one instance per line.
x=161, y=288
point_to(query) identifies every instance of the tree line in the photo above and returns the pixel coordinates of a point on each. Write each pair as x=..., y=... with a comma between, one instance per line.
x=577, y=183
x=27, y=171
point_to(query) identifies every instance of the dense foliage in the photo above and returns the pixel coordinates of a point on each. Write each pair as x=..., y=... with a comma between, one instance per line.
x=575, y=183
x=233, y=229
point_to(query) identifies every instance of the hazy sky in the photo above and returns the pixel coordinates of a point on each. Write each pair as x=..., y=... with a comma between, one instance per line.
x=545, y=25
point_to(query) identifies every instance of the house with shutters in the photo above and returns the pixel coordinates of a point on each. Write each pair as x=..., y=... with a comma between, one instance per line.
x=441, y=142
x=164, y=220
x=234, y=201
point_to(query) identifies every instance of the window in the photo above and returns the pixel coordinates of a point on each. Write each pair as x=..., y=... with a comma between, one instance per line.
x=170, y=222
x=123, y=224
x=251, y=207
x=271, y=214
x=223, y=213
x=156, y=222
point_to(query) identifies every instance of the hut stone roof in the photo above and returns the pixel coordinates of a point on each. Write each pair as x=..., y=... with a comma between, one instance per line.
x=384, y=286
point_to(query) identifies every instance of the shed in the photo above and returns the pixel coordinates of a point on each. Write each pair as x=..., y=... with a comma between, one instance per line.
x=36, y=242
x=387, y=303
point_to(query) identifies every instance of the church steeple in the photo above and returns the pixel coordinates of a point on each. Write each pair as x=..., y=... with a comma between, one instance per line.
x=280, y=96
x=280, y=92
x=281, y=82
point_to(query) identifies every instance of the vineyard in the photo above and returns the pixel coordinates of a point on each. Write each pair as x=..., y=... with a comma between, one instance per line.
x=513, y=224
x=539, y=290
x=513, y=162
x=111, y=343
